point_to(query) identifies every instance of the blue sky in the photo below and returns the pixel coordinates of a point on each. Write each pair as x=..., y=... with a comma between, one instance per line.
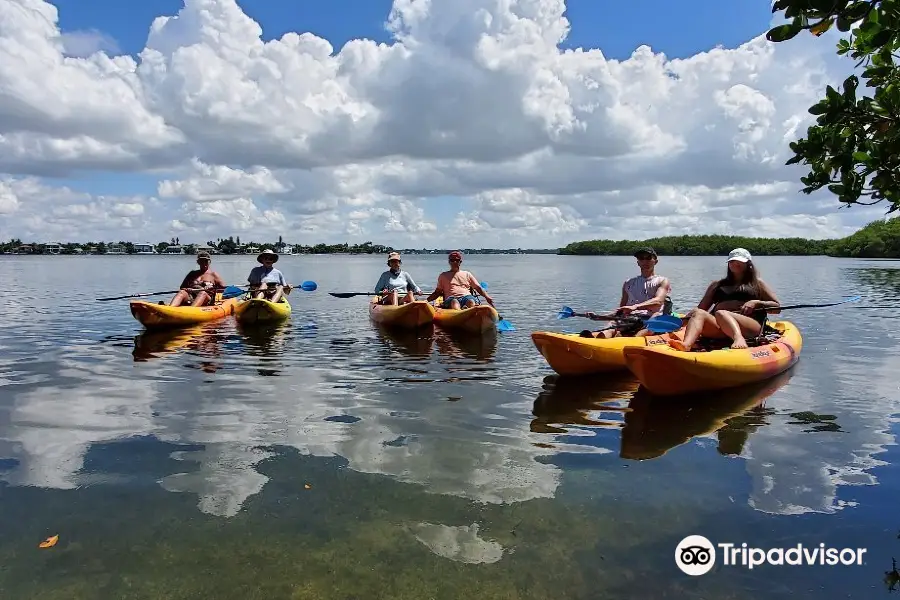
x=679, y=29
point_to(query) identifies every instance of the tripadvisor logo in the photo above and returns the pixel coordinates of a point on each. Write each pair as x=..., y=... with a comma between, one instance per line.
x=696, y=555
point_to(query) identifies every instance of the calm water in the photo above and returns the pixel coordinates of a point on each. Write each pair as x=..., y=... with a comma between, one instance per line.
x=327, y=459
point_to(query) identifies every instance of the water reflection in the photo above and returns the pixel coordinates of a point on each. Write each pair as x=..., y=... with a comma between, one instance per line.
x=464, y=345
x=202, y=341
x=651, y=426
x=579, y=402
x=264, y=344
x=410, y=342
x=655, y=425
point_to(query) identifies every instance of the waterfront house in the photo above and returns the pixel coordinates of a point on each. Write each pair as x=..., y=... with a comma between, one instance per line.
x=115, y=248
x=177, y=249
x=53, y=248
x=144, y=248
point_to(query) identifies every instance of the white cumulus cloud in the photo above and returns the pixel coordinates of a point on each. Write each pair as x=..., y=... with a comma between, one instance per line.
x=474, y=105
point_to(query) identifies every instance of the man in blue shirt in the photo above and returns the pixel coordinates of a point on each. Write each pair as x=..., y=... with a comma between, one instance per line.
x=266, y=280
x=393, y=281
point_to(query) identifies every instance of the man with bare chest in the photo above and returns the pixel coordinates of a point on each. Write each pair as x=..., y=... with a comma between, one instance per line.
x=200, y=285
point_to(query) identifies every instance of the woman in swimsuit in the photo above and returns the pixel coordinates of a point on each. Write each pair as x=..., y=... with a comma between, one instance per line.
x=731, y=306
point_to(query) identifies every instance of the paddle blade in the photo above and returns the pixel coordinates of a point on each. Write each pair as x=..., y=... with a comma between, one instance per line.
x=483, y=285
x=504, y=325
x=232, y=291
x=350, y=294
x=309, y=286
x=565, y=313
x=663, y=324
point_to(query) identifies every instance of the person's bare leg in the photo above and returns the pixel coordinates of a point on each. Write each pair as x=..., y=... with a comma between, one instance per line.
x=408, y=298
x=201, y=299
x=736, y=326
x=277, y=295
x=179, y=298
x=700, y=323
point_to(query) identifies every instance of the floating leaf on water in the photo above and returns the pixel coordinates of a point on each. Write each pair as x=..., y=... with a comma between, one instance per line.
x=49, y=542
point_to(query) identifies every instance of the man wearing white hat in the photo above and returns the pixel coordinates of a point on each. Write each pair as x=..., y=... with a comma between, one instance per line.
x=266, y=280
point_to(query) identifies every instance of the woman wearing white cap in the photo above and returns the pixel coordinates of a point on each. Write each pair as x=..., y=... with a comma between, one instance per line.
x=395, y=280
x=266, y=280
x=731, y=306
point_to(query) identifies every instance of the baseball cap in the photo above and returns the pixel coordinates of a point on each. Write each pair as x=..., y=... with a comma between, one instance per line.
x=646, y=250
x=393, y=255
x=739, y=254
x=456, y=254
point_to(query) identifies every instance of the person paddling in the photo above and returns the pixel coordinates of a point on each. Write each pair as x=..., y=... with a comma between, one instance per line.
x=394, y=281
x=643, y=297
x=457, y=286
x=199, y=285
x=266, y=281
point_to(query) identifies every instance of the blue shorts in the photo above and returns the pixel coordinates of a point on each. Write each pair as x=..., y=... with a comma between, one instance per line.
x=461, y=299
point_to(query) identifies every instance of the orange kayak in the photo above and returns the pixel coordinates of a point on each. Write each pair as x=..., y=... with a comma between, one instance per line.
x=403, y=316
x=571, y=354
x=665, y=371
x=158, y=316
x=481, y=317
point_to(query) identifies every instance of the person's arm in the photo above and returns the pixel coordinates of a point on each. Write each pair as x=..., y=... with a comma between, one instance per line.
x=707, y=301
x=473, y=283
x=382, y=283
x=411, y=285
x=217, y=279
x=768, y=300
x=656, y=302
x=438, y=291
x=605, y=317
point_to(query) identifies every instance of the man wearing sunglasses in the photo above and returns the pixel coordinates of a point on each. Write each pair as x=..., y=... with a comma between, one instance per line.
x=457, y=286
x=199, y=285
x=643, y=297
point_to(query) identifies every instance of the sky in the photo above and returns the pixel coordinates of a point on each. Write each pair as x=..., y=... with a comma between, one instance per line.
x=412, y=123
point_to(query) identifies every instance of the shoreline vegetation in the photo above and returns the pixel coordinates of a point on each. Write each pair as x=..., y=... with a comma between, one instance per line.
x=878, y=239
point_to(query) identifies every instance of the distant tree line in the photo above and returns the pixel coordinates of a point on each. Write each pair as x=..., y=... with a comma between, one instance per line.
x=878, y=239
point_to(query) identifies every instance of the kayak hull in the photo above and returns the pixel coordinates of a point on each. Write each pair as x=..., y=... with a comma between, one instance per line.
x=571, y=354
x=260, y=310
x=665, y=371
x=477, y=319
x=160, y=316
x=411, y=315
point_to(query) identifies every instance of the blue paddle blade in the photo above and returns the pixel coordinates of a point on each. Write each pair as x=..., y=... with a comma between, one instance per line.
x=663, y=324
x=483, y=285
x=504, y=325
x=232, y=291
x=565, y=313
x=308, y=286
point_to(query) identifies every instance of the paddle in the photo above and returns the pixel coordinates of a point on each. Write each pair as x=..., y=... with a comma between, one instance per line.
x=660, y=324
x=849, y=299
x=567, y=313
x=231, y=291
x=502, y=324
x=351, y=294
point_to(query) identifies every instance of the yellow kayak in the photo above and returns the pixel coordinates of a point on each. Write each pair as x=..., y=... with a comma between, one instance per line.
x=480, y=317
x=571, y=354
x=403, y=316
x=158, y=316
x=260, y=310
x=665, y=371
